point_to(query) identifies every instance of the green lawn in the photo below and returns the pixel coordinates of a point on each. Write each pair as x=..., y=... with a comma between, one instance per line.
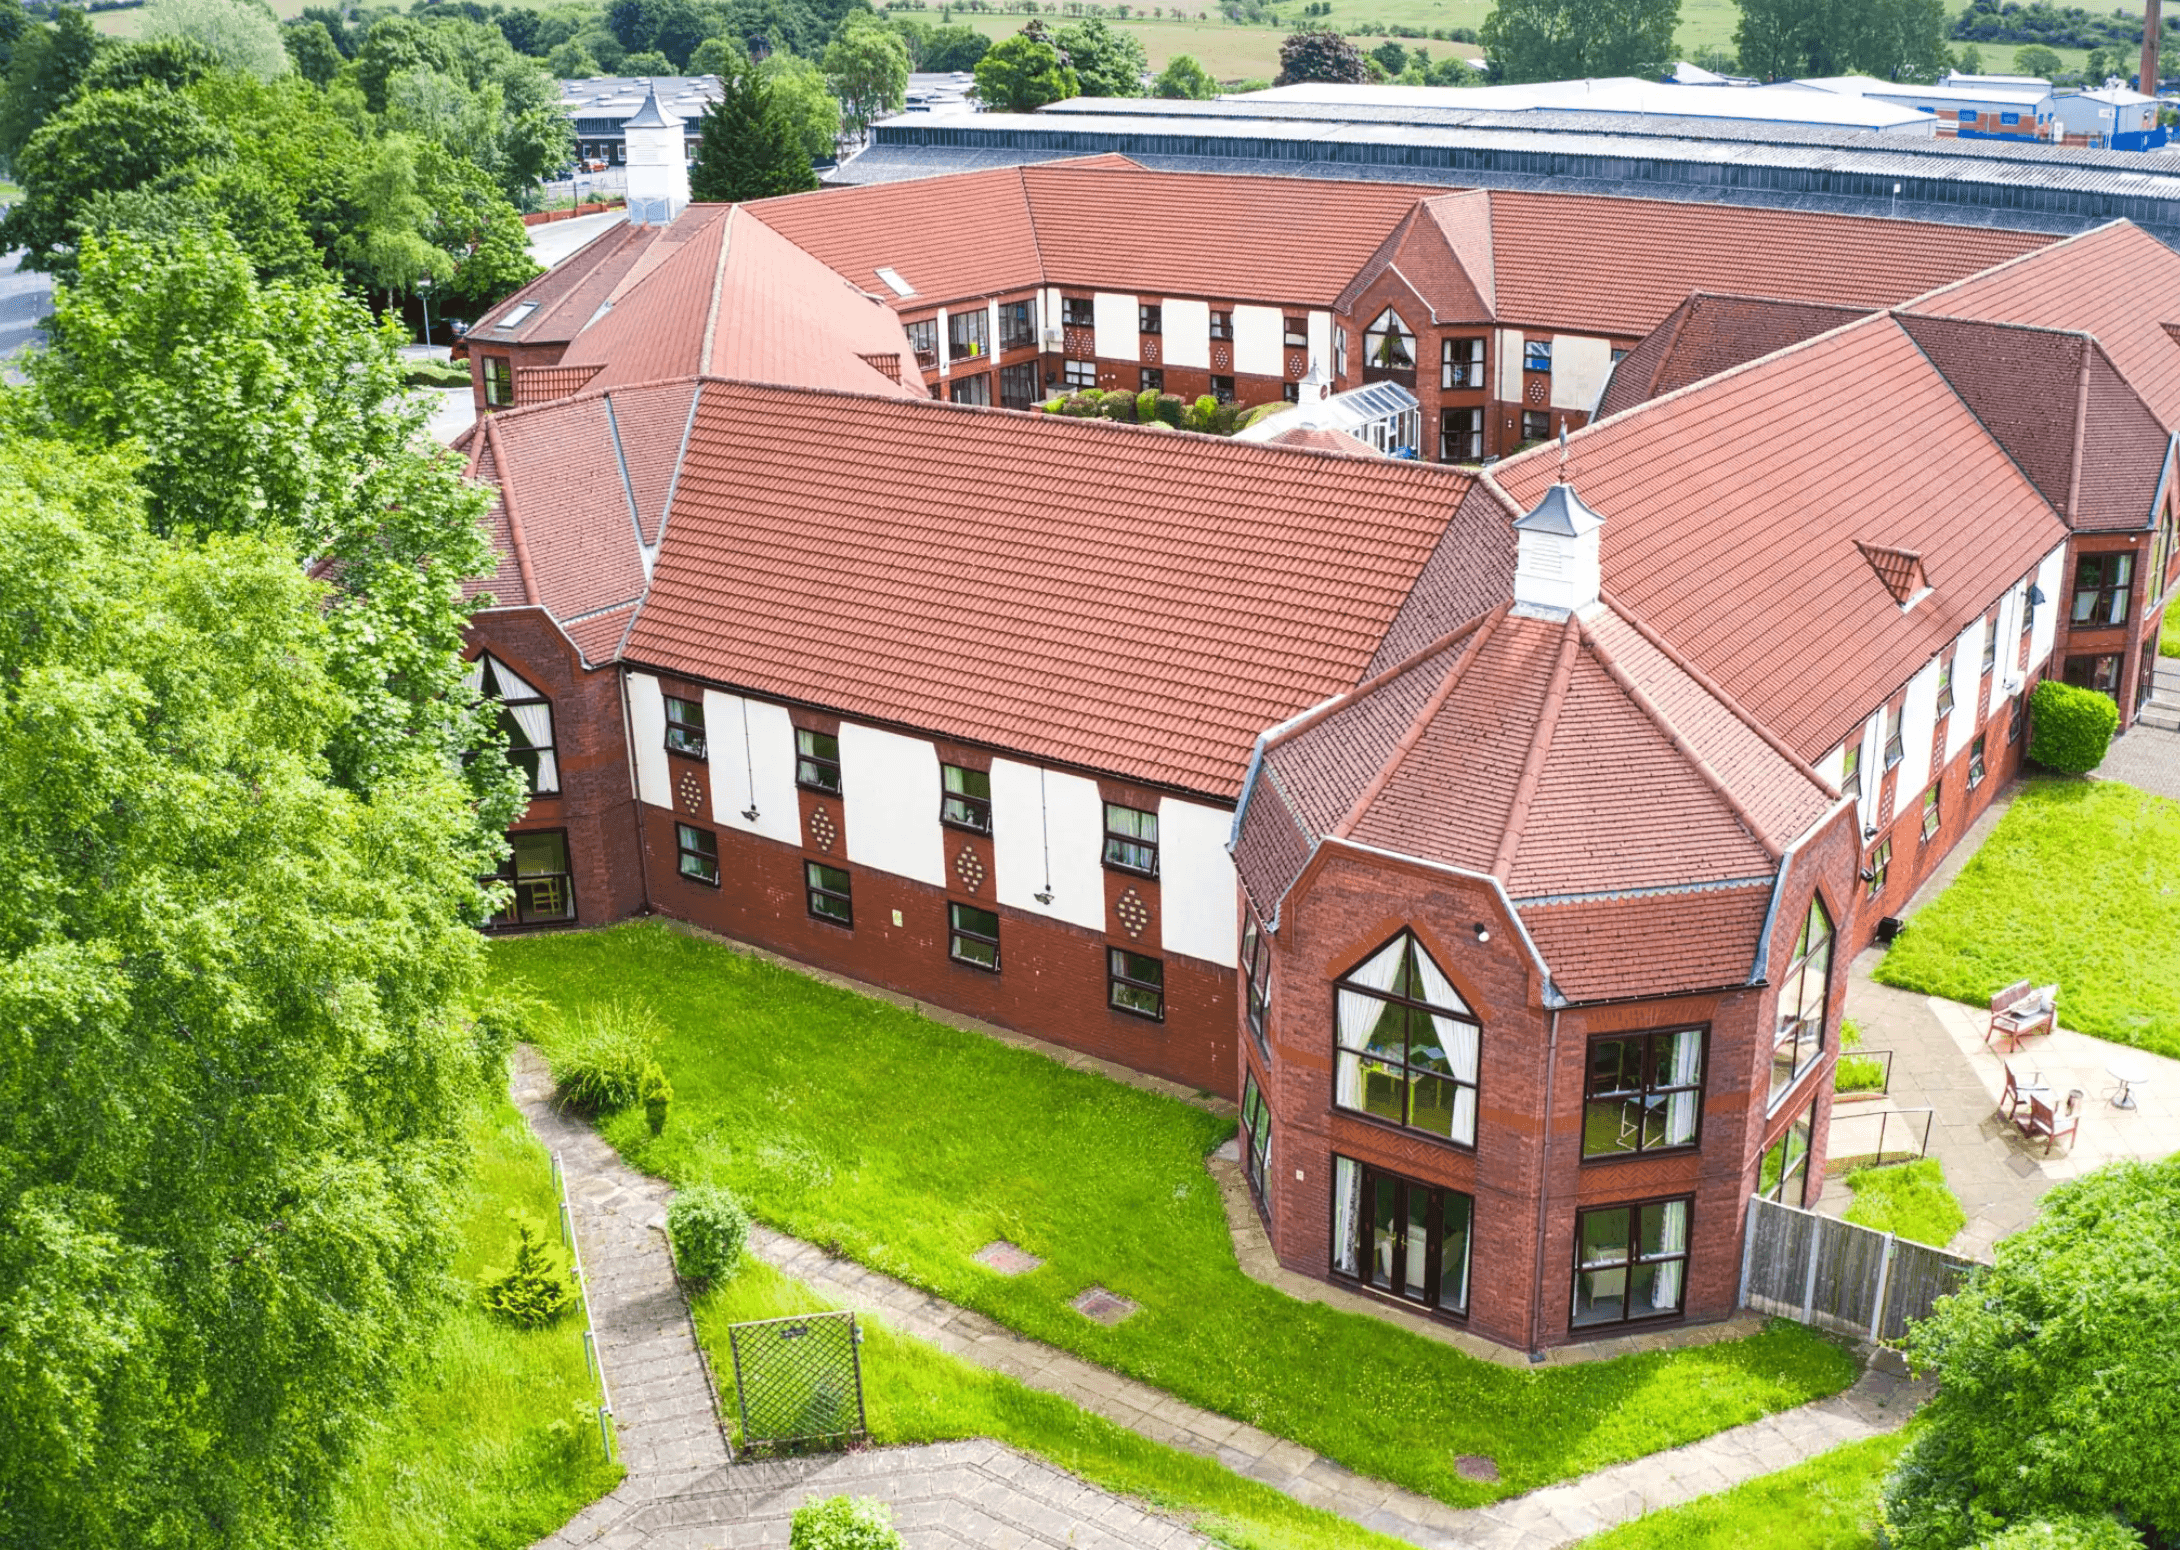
x=1909, y=1199
x=1829, y=1503
x=2080, y=885
x=914, y=1392
x=2168, y=633
x=495, y=1439
x=909, y=1145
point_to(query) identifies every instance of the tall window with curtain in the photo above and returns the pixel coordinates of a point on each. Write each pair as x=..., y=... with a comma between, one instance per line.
x=1803, y=991
x=1630, y=1262
x=1389, y=343
x=1644, y=1093
x=1407, y=1046
x=1400, y=1237
x=526, y=716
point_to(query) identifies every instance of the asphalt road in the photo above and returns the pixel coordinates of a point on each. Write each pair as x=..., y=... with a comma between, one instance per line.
x=25, y=299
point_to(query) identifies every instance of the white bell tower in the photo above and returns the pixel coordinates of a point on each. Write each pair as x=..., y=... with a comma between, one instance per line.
x=658, y=164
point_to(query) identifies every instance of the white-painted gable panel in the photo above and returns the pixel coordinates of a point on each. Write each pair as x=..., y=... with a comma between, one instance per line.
x=1833, y=766
x=2047, y=613
x=1967, y=682
x=1187, y=339
x=1257, y=335
x=889, y=791
x=1873, y=772
x=1195, y=881
x=1048, y=834
x=647, y=727
x=1113, y=318
x=752, y=749
x=1919, y=719
x=1510, y=365
x=1321, y=341
x=1579, y=368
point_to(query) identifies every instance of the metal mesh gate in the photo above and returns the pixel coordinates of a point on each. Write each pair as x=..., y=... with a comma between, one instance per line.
x=799, y=1380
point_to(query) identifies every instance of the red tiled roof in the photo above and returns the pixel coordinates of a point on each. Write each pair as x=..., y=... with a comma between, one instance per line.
x=1650, y=944
x=1320, y=438
x=569, y=293
x=543, y=384
x=1732, y=511
x=1708, y=333
x=1901, y=570
x=1442, y=250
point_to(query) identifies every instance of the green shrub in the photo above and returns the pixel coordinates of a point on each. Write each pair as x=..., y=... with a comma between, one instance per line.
x=1054, y=404
x=532, y=1292
x=1083, y=405
x=1222, y=418
x=501, y=1021
x=709, y=1229
x=1118, y=406
x=599, y=1063
x=1850, y=1033
x=842, y=1523
x=1201, y=414
x=658, y=1096
x=1252, y=415
x=2068, y=1531
x=1858, y=1074
x=1146, y=406
x=2072, y=727
x=1171, y=407
x=431, y=373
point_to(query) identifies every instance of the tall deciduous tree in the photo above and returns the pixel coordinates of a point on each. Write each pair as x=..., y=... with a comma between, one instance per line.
x=1890, y=39
x=1557, y=40
x=1021, y=74
x=868, y=67
x=240, y=34
x=49, y=62
x=1108, y=61
x=150, y=139
x=1319, y=55
x=1184, y=78
x=747, y=146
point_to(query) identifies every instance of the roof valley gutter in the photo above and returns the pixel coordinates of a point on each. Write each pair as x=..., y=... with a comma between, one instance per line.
x=628, y=486
x=2081, y=434
x=514, y=519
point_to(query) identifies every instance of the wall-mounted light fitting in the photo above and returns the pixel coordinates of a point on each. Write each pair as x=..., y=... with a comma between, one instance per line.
x=1483, y=932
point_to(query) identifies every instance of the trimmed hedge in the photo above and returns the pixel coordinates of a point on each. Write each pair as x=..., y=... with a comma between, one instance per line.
x=2073, y=727
x=709, y=1228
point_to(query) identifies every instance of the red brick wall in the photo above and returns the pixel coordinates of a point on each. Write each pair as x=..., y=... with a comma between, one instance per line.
x=519, y=356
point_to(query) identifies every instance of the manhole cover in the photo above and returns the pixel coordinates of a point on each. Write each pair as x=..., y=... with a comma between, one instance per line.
x=1004, y=1257
x=1103, y=1306
x=1474, y=1466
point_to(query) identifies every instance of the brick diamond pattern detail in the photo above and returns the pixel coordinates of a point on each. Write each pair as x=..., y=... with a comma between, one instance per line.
x=1135, y=915
x=823, y=829
x=1102, y=1307
x=1150, y=349
x=1006, y=1258
x=1296, y=365
x=969, y=867
x=691, y=790
x=1081, y=344
x=1536, y=390
x=1222, y=358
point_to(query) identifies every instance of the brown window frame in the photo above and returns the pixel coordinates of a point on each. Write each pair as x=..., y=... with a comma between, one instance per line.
x=968, y=334
x=1222, y=324
x=1534, y=351
x=1877, y=868
x=1077, y=373
x=1123, y=974
x=817, y=888
x=1361, y=1253
x=1536, y=425
x=1383, y=341
x=1472, y=435
x=1797, y=1029
x=1633, y=1261
x=810, y=763
x=1647, y=1095
x=685, y=850
x=682, y=736
x=1406, y=1070
x=1120, y=842
x=975, y=388
x=1150, y=318
x=2097, y=662
x=517, y=912
x=1895, y=736
x=1222, y=389
x=957, y=933
x=1078, y=312
x=1804, y=1124
x=1990, y=644
x=525, y=755
x=1294, y=333
x=960, y=808
x=1151, y=379
x=923, y=339
x=1256, y=967
x=1976, y=769
x=1850, y=770
x=1933, y=815
x=499, y=381
x=1945, y=687
x=2101, y=600
x=1256, y=1141
x=1018, y=385
x=1456, y=373
x=2016, y=714
x=1017, y=329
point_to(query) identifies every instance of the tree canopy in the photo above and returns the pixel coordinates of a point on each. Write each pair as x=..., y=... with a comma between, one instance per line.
x=867, y=65
x=240, y=34
x=1890, y=39
x=1021, y=74
x=1108, y=61
x=1183, y=77
x=1319, y=55
x=748, y=146
x=1558, y=40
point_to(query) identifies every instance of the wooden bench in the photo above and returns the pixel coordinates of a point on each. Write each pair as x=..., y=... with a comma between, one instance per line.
x=2020, y=1010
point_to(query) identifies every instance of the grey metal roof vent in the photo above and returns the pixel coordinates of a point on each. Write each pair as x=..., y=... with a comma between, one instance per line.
x=1561, y=512
x=650, y=115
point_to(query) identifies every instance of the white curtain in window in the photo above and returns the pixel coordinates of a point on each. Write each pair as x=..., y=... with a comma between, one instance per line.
x=511, y=687
x=536, y=721
x=1683, y=1070
x=473, y=675
x=1437, y=989
x=1346, y=1202
x=1383, y=971
x=1464, y=1115
x=1672, y=1239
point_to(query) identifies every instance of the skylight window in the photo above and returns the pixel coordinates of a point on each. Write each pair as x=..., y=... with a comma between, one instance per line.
x=895, y=283
x=517, y=315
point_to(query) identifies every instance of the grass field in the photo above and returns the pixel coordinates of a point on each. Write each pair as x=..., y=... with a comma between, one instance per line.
x=909, y=1145
x=494, y=1442
x=1910, y=1199
x=2079, y=884
x=914, y=1392
x=1829, y=1503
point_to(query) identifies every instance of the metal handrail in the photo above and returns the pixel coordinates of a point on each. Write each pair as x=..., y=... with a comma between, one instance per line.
x=1882, y=1089
x=591, y=1354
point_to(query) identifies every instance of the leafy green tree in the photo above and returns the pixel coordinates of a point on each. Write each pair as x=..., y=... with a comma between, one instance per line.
x=748, y=147
x=867, y=65
x=49, y=62
x=1890, y=39
x=1184, y=78
x=105, y=142
x=12, y=23
x=1319, y=55
x=1391, y=57
x=953, y=48
x=1107, y=61
x=570, y=61
x=2056, y=1394
x=2037, y=60
x=649, y=62
x=240, y=34
x=799, y=91
x=670, y=27
x=311, y=50
x=1021, y=74
x=1968, y=59
x=1552, y=40
x=396, y=46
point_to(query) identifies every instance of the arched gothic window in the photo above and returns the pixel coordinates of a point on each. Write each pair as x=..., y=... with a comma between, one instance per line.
x=1803, y=992
x=1389, y=342
x=1407, y=1044
x=526, y=716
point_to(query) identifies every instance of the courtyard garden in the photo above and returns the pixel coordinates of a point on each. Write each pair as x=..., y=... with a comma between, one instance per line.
x=908, y=1145
x=2079, y=884
x=1910, y=1199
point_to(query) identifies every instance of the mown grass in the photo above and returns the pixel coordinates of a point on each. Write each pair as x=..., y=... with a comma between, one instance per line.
x=909, y=1145
x=2168, y=634
x=1829, y=1503
x=2079, y=885
x=913, y=1392
x=494, y=1440
x=1910, y=1199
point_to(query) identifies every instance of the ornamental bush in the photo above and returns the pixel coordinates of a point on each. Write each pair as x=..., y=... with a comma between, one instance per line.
x=599, y=1062
x=709, y=1229
x=658, y=1096
x=1083, y=405
x=1118, y=406
x=1171, y=406
x=532, y=1292
x=842, y=1523
x=2072, y=728
x=2066, y=1532
x=1146, y=406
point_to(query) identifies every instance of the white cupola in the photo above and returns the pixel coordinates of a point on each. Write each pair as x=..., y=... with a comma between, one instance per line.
x=658, y=164
x=1556, y=566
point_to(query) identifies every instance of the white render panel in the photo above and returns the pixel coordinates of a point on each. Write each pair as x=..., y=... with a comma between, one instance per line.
x=1196, y=881
x=1579, y=368
x=1873, y=771
x=2047, y=617
x=1053, y=312
x=1257, y=335
x=647, y=729
x=1509, y=347
x=1114, y=320
x=1967, y=684
x=1918, y=725
x=1321, y=341
x=1833, y=766
x=1036, y=813
x=752, y=749
x=941, y=326
x=889, y=794
x=1187, y=339
x=2008, y=630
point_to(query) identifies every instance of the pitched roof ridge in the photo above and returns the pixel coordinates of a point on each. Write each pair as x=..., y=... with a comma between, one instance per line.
x=719, y=285
x=1681, y=745
x=1540, y=748
x=1423, y=718
x=2019, y=258
x=628, y=485
x=1296, y=725
x=1717, y=691
x=1380, y=259
x=514, y=519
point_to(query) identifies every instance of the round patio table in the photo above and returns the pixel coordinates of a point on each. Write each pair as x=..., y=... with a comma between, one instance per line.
x=2130, y=1074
